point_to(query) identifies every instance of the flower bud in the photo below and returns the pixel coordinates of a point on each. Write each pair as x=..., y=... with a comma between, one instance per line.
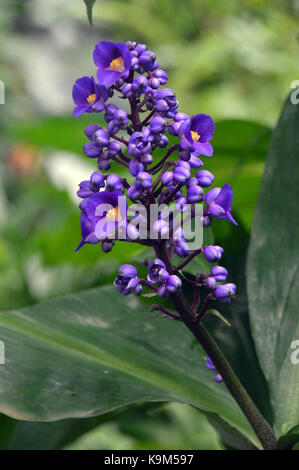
x=173, y=283
x=225, y=292
x=204, y=178
x=212, y=253
x=219, y=273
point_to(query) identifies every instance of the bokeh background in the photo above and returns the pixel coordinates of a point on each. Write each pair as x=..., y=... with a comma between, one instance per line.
x=233, y=59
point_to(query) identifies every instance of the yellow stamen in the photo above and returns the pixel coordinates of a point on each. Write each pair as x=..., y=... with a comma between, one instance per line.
x=195, y=136
x=113, y=215
x=91, y=99
x=117, y=65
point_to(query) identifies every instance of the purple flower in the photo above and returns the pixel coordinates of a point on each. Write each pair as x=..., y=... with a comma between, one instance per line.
x=101, y=216
x=181, y=172
x=196, y=133
x=113, y=61
x=225, y=292
x=87, y=188
x=218, y=378
x=114, y=183
x=155, y=267
x=219, y=202
x=88, y=96
x=127, y=281
x=212, y=253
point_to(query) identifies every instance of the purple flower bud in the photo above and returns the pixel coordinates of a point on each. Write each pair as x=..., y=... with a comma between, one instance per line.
x=161, y=75
x=114, y=148
x=158, y=124
x=204, y=178
x=109, y=112
x=195, y=194
x=107, y=245
x=173, y=283
x=210, y=282
x=147, y=60
x=210, y=364
x=154, y=83
x=206, y=221
x=218, y=378
x=191, y=182
x=139, y=84
x=162, y=291
x=181, y=117
x=127, y=271
x=161, y=106
x=144, y=179
x=219, y=273
x=112, y=127
x=174, y=129
x=140, y=48
x=134, y=193
x=181, y=173
x=195, y=162
x=135, y=167
x=114, y=183
x=212, y=253
x=104, y=165
x=134, y=286
x=185, y=155
x=121, y=117
x=162, y=227
x=167, y=178
x=97, y=180
x=225, y=292
x=163, y=141
x=181, y=201
x=181, y=248
x=146, y=159
x=101, y=138
x=127, y=90
x=90, y=130
x=91, y=150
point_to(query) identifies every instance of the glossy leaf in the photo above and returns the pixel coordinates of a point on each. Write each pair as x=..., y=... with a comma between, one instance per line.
x=272, y=270
x=86, y=354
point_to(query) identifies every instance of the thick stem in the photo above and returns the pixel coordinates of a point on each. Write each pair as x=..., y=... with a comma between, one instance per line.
x=260, y=426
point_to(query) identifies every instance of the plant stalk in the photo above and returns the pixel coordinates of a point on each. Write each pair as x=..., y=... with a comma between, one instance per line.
x=258, y=423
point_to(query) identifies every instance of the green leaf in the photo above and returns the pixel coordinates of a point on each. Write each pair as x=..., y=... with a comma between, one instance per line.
x=89, y=7
x=290, y=440
x=86, y=354
x=272, y=270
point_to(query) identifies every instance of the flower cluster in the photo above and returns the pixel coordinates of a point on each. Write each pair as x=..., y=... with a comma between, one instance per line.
x=132, y=137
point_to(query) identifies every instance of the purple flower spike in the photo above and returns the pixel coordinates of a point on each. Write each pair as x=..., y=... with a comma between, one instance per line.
x=88, y=96
x=219, y=202
x=113, y=61
x=196, y=134
x=212, y=253
x=225, y=292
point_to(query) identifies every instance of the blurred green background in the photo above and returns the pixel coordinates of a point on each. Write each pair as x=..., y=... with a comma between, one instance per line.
x=233, y=59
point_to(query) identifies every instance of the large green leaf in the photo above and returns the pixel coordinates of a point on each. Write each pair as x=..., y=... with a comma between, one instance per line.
x=273, y=270
x=86, y=354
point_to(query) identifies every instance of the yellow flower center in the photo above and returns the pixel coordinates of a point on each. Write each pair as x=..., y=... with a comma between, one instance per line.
x=195, y=136
x=117, y=65
x=91, y=99
x=113, y=215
